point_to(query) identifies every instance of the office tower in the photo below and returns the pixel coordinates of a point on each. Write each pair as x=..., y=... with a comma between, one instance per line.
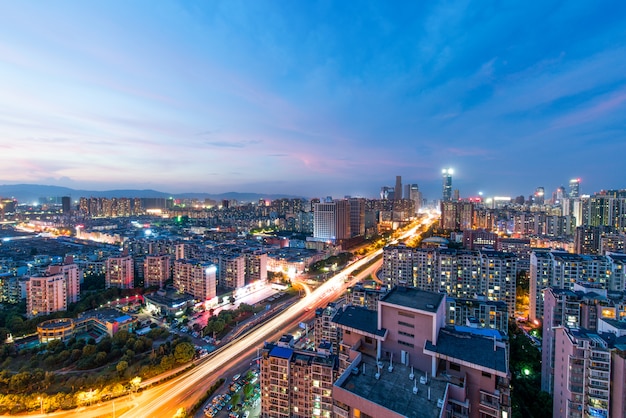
x=66, y=205
x=195, y=278
x=413, y=193
x=120, y=272
x=457, y=215
x=447, y=184
x=232, y=271
x=156, y=270
x=574, y=188
x=539, y=196
x=398, y=189
x=331, y=221
x=387, y=193
x=46, y=294
x=296, y=383
x=357, y=217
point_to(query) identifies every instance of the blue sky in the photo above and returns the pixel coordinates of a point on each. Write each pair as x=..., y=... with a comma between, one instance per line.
x=313, y=98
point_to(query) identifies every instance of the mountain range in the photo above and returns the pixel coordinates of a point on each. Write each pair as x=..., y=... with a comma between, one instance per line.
x=33, y=192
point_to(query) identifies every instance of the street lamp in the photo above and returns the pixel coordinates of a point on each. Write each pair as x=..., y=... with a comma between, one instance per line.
x=40, y=399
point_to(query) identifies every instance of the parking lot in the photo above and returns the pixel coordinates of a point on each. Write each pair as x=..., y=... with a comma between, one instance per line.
x=239, y=398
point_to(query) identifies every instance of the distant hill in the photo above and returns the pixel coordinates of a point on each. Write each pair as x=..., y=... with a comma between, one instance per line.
x=32, y=193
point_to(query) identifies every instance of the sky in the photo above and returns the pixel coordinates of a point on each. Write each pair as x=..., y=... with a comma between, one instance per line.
x=313, y=98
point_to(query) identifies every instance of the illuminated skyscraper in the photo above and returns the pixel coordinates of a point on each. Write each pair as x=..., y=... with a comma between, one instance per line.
x=539, y=197
x=447, y=184
x=574, y=188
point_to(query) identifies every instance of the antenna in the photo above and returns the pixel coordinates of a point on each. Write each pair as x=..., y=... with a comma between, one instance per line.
x=412, y=375
x=429, y=393
x=424, y=379
x=377, y=375
x=415, y=390
x=363, y=367
x=390, y=364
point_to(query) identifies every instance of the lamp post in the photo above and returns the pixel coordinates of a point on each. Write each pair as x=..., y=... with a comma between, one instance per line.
x=40, y=399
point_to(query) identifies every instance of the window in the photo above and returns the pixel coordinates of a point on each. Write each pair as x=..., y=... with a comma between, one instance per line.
x=406, y=324
x=454, y=366
x=406, y=314
x=406, y=334
x=485, y=374
x=405, y=343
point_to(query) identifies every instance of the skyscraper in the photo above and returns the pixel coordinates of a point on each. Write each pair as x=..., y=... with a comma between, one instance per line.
x=398, y=189
x=574, y=188
x=447, y=184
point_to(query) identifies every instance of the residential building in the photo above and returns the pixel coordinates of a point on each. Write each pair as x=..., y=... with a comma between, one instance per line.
x=157, y=270
x=195, y=278
x=46, y=294
x=120, y=272
x=296, y=383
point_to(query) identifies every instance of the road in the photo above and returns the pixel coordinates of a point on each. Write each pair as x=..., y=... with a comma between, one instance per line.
x=184, y=390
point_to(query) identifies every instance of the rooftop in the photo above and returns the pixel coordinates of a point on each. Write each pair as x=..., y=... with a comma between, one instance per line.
x=470, y=348
x=359, y=318
x=394, y=390
x=412, y=297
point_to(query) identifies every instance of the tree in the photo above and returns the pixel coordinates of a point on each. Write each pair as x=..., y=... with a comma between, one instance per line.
x=121, y=367
x=184, y=352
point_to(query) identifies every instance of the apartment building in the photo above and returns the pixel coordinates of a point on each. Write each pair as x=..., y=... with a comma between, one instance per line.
x=156, y=270
x=296, y=383
x=195, y=278
x=485, y=273
x=120, y=272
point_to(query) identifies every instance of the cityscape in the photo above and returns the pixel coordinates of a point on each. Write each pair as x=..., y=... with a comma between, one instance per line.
x=271, y=209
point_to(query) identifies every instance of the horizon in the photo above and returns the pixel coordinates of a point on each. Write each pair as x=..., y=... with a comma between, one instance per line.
x=312, y=99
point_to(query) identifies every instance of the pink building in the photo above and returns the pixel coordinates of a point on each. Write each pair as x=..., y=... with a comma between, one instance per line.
x=402, y=362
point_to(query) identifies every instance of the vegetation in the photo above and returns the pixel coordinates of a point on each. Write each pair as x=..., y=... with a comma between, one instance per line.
x=220, y=324
x=525, y=363
x=54, y=372
x=215, y=386
x=334, y=262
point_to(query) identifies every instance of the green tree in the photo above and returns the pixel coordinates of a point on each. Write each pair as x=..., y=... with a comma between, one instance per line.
x=121, y=367
x=184, y=352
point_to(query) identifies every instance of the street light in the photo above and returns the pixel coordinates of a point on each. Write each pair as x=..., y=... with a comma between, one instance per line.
x=40, y=399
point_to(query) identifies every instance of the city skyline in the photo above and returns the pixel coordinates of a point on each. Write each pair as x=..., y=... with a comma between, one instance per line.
x=311, y=99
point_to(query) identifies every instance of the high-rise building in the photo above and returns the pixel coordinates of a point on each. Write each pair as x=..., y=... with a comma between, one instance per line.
x=296, y=383
x=46, y=294
x=357, y=217
x=156, y=270
x=232, y=271
x=447, y=184
x=120, y=272
x=331, y=221
x=66, y=205
x=413, y=193
x=195, y=278
x=463, y=274
x=398, y=189
x=539, y=196
x=574, y=188
x=457, y=215
x=72, y=275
